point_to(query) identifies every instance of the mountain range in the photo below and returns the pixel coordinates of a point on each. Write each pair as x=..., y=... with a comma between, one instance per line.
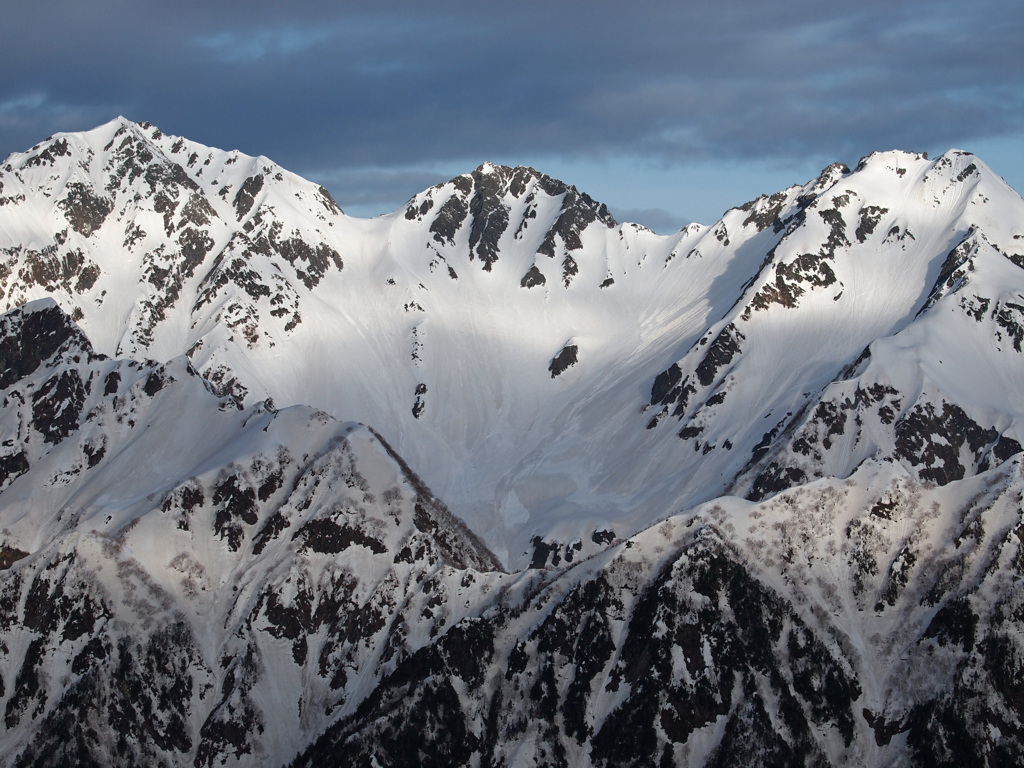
x=498, y=480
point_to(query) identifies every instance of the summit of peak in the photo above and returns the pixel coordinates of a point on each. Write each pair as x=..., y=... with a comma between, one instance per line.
x=898, y=155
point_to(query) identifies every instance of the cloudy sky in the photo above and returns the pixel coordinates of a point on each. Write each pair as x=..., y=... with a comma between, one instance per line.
x=669, y=112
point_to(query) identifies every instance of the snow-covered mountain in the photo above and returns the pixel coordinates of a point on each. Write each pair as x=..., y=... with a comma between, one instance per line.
x=504, y=333
x=749, y=493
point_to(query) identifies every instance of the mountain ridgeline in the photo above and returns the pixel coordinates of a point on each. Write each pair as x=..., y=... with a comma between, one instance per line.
x=495, y=480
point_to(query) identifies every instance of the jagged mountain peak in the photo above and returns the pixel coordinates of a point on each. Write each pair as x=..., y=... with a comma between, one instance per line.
x=920, y=233
x=124, y=158
x=516, y=181
x=544, y=216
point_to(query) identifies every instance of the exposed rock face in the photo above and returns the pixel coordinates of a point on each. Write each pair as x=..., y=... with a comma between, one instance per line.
x=567, y=357
x=493, y=198
x=32, y=336
x=873, y=403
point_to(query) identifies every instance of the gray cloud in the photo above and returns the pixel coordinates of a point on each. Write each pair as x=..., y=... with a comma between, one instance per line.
x=657, y=219
x=325, y=88
x=370, y=191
